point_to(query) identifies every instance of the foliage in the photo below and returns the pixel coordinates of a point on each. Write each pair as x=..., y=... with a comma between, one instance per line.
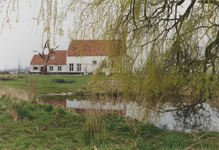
x=59, y=110
x=169, y=54
x=48, y=108
x=22, y=111
x=47, y=15
x=94, y=132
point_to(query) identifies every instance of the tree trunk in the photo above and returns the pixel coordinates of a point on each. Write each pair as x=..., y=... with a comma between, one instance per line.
x=45, y=68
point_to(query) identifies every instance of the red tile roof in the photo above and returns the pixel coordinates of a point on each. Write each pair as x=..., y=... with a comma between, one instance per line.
x=93, y=47
x=60, y=58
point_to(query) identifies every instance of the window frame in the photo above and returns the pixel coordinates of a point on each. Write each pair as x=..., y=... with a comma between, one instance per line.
x=78, y=67
x=35, y=68
x=71, y=67
x=59, y=68
x=51, y=68
x=94, y=62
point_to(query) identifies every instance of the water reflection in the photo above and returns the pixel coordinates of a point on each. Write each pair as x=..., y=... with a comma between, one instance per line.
x=87, y=106
x=192, y=118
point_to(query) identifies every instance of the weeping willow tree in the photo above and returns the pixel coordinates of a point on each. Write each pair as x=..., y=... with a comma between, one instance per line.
x=46, y=14
x=170, y=47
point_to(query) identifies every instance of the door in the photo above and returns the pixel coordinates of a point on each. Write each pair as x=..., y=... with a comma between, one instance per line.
x=42, y=70
x=94, y=65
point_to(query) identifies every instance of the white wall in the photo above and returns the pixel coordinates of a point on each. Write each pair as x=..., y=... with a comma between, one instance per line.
x=85, y=61
x=35, y=71
x=55, y=68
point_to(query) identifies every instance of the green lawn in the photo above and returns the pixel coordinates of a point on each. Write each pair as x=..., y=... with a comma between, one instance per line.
x=44, y=84
x=25, y=125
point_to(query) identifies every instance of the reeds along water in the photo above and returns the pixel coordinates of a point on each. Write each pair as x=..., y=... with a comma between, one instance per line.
x=13, y=94
x=101, y=110
x=31, y=85
x=24, y=95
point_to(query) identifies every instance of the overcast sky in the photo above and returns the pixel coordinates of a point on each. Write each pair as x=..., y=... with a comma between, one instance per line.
x=24, y=37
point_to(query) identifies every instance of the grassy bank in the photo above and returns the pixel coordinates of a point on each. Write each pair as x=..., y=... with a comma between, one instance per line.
x=25, y=125
x=43, y=84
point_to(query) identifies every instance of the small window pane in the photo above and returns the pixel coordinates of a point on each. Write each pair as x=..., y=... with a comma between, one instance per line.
x=53, y=58
x=59, y=68
x=51, y=68
x=71, y=67
x=94, y=62
x=78, y=67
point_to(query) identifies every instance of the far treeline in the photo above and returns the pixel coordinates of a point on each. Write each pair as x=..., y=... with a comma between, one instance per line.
x=170, y=45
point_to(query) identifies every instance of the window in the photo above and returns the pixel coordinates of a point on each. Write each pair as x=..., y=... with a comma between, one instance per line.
x=35, y=68
x=78, y=67
x=104, y=64
x=94, y=62
x=71, y=67
x=53, y=58
x=59, y=68
x=51, y=68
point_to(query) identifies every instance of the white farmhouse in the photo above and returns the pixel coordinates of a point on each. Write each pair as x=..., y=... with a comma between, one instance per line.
x=56, y=63
x=82, y=57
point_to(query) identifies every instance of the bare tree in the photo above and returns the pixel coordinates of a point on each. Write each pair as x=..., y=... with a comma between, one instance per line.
x=19, y=60
x=44, y=56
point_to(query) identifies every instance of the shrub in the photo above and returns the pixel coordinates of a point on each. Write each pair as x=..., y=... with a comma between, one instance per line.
x=94, y=132
x=59, y=110
x=21, y=111
x=48, y=108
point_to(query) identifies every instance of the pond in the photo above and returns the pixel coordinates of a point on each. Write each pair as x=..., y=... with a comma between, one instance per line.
x=189, y=119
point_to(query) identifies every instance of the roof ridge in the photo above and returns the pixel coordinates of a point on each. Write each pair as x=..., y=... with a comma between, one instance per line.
x=59, y=54
x=91, y=47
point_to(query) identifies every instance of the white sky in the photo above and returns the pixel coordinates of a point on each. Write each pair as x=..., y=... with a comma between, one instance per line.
x=23, y=38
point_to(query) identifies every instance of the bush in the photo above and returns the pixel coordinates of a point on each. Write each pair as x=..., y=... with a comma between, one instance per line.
x=59, y=110
x=21, y=111
x=94, y=132
x=48, y=108
x=149, y=129
x=116, y=123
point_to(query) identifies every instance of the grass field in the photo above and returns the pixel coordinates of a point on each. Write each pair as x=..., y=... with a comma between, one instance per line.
x=43, y=84
x=25, y=125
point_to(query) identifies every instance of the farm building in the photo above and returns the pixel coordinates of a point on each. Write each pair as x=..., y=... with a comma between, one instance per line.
x=82, y=57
